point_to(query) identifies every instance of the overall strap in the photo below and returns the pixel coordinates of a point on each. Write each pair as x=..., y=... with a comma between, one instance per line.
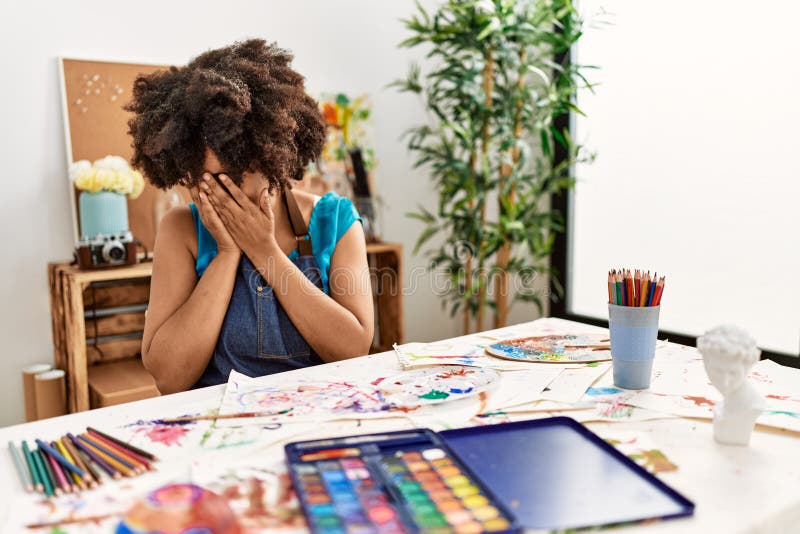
x=299, y=227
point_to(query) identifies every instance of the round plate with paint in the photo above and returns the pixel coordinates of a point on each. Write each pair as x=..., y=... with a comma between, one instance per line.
x=432, y=385
x=559, y=348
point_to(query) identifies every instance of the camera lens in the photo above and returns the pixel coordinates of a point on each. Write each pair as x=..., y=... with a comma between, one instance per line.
x=114, y=252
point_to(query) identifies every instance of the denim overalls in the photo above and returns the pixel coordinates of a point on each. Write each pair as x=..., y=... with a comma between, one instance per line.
x=257, y=337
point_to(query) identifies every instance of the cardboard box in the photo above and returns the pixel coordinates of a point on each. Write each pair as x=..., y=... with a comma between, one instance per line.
x=119, y=382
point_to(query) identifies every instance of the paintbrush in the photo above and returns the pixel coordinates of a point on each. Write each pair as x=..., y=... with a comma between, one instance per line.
x=241, y=415
x=71, y=521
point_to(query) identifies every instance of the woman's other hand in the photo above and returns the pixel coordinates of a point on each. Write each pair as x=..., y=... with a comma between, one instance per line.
x=252, y=227
x=212, y=221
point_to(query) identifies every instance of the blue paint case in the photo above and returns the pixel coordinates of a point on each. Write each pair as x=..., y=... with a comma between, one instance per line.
x=544, y=474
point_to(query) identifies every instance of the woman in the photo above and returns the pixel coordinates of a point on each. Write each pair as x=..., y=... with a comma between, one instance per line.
x=252, y=276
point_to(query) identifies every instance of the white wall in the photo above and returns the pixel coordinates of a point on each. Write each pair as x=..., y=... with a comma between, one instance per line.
x=346, y=45
x=697, y=173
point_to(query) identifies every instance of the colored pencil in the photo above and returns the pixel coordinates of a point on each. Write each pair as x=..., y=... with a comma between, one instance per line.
x=50, y=473
x=652, y=290
x=60, y=479
x=49, y=486
x=659, y=291
x=624, y=290
x=630, y=289
x=78, y=482
x=68, y=475
x=128, y=446
x=618, y=286
x=96, y=476
x=610, y=296
x=22, y=469
x=38, y=485
x=92, y=476
x=101, y=463
x=60, y=459
x=127, y=453
x=133, y=466
x=118, y=466
x=645, y=287
x=637, y=279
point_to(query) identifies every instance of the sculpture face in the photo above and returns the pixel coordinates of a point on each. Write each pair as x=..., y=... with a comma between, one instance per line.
x=726, y=375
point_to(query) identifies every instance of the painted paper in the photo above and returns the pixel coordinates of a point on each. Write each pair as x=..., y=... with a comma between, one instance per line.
x=434, y=385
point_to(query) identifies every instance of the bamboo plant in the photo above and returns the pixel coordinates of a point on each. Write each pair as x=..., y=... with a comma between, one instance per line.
x=498, y=78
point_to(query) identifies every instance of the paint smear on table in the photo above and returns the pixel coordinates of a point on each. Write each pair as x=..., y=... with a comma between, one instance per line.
x=163, y=434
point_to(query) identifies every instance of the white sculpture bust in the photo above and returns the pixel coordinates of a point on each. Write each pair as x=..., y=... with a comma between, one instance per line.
x=728, y=354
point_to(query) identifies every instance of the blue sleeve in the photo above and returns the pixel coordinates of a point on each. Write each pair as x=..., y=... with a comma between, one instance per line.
x=206, y=245
x=331, y=219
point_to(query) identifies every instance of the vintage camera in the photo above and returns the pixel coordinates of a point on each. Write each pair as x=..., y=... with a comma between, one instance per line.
x=106, y=250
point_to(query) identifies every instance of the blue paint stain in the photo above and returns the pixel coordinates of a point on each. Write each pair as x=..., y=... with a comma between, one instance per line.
x=594, y=392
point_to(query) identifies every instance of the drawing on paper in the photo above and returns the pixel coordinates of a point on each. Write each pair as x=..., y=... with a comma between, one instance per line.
x=557, y=348
x=300, y=401
x=432, y=385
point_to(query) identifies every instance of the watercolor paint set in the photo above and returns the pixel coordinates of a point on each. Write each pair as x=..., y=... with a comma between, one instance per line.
x=543, y=474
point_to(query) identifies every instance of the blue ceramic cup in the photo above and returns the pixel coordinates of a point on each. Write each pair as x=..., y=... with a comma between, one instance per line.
x=633, y=344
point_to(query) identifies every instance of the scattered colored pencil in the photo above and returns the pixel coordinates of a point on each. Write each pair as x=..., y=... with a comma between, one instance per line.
x=22, y=469
x=96, y=476
x=92, y=477
x=74, y=463
x=45, y=473
x=101, y=463
x=121, y=443
x=120, y=467
x=125, y=453
x=58, y=457
x=60, y=480
x=77, y=482
x=38, y=485
x=634, y=288
x=125, y=462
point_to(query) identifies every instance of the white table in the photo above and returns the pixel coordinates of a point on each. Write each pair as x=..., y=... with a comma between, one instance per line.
x=735, y=489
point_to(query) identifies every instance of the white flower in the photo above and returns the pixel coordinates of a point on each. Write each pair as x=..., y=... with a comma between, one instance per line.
x=114, y=163
x=79, y=168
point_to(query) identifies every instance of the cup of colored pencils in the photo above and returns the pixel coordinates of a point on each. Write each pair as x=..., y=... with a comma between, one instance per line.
x=637, y=288
x=634, y=302
x=74, y=463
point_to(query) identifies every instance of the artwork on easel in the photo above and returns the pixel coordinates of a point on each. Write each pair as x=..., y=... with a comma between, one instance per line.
x=556, y=348
x=96, y=125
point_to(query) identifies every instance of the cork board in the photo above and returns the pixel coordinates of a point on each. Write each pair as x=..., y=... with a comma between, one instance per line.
x=93, y=95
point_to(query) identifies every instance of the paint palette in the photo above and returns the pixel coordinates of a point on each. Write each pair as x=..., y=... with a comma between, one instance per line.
x=391, y=483
x=559, y=348
x=433, y=385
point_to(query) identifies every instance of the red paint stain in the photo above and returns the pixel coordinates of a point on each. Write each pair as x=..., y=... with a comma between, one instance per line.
x=779, y=397
x=165, y=434
x=699, y=401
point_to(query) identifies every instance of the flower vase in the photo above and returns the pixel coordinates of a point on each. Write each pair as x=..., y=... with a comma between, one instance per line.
x=103, y=212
